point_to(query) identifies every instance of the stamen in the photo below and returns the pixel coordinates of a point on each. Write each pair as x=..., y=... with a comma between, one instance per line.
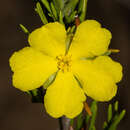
x=64, y=62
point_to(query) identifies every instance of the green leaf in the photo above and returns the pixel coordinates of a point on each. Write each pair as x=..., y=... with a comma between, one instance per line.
x=117, y=120
x=29, y=93
x=71, y=18
x=46, y=4
x=107, y=53
x=78, y=81
x=71, y=122
x=116, y=106
x=80, y=6
x=113, y=117
x=54, y=13
x=61, y=18
x=70, y=7
x=68, y=41
x=67, y=9
x=109, y=112
x=83, y=9
x=87, y=118
x=73, y=29
x=93, y=106
x=24, y=29
x=93, y=128
x=41, y=14
x=79, y=122
x=105, y=125
x=59, y=5
x=88, y=58
x=35, y=92
x=37, y=95
x=66, y=6
x=94, y=113
x=49, y=81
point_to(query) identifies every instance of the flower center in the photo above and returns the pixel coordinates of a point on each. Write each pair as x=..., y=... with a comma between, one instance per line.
x=64, y=62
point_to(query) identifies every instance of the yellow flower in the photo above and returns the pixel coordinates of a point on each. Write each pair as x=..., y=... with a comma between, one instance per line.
x=46, y=55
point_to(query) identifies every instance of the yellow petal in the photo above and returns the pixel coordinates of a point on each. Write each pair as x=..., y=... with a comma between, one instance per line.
x=97, y=78
x=31, y=68
x=64, y=97
x=50, y=39
x=90, y=40
x=112, y=67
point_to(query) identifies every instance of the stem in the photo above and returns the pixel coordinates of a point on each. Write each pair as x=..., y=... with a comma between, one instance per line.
x=64, y=123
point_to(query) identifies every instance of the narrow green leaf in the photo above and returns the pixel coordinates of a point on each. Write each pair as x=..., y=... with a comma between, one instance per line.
x=71, y=18
x=94, y=113
x=46, y=4
x=37, y=95
x=110, y=51
x=117, y=120
x=93, y=128
x=107, y=53
x=80, y=5
x=87, y=118
x=29, y=93
x=65, y=6
x=49, y=81
x=79, y=122
x=109, y=112
x=41, y=14
x=84, y=10
x=92, y=58
x=88, y=58
x=24, y=29
x=61, y=18
x=71, y=122
x=54, y=12
x=105, y=125
x=35, y=92
x=59, y=5
x=49, y=14
x=70, y=7
x=73, y=29
x=68, y=30
x=68, y=41
x=116, y=106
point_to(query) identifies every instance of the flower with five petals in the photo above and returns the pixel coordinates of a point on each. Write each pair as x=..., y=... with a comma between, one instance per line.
x=84, y=70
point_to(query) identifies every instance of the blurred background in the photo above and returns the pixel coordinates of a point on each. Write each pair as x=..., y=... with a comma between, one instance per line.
x=16, y=110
